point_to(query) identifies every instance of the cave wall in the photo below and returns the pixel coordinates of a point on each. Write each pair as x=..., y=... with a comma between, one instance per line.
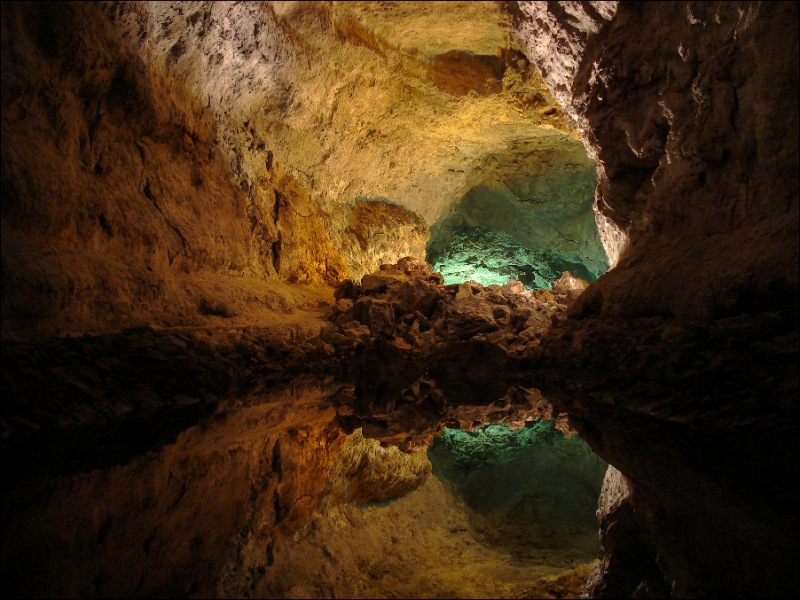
x=181, y=164
x=684, y=355
x=693, y=133
x=118, y=207
x=148, y=180
x=541, y=214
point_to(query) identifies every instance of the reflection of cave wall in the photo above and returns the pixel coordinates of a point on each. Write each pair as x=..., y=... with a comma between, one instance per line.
x=542, y=224
x=529, y=489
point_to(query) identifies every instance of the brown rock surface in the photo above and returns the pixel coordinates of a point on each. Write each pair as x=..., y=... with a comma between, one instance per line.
x=209, y=168
x=175, y=164
x=408, y=368
x=185, y=457
x=197, y=518
x=685, y=354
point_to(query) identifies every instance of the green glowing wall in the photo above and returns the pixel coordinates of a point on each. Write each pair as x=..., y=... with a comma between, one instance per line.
x=530, y=228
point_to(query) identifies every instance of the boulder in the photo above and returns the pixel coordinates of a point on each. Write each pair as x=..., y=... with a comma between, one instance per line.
x=411, y=265
x=569, y=286
x=468, y=289
x=413, y=296
x=514, y=286
x=375, y=283
x=375, y=313
x=469, y=316
x=347, y=289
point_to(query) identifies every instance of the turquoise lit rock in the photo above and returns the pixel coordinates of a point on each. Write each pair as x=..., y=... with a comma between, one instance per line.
x=493, y=257
x=494, y=444
x=531, y=228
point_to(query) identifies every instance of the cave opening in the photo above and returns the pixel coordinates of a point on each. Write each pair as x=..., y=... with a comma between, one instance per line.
x=529, y=228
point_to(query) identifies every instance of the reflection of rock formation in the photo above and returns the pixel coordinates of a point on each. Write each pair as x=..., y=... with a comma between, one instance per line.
x=410, y=337
x=628, y=567
x=227, y=444
x=530, y=488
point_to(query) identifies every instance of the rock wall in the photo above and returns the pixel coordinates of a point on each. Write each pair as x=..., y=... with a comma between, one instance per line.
x=692, y=131
x=176, y=164
x=196, y=164
x=118, y=208
x=685, y=354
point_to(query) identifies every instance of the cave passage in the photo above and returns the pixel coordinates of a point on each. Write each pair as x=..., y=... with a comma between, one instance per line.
x=531, y=490
x=529, y=228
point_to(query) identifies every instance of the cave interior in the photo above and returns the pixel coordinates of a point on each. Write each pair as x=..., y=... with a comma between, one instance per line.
x=400, y=299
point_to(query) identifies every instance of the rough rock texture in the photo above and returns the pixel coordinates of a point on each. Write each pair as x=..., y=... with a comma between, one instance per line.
x=211, y=463
x=543, y=211
x=423, y=545
x=627, y=568
x=403, y=338
x=195, y=164
x=489, y=256
x=533, y=489
x=685, y=354
x=176, y=164
x=199, y=517
x=117, y=207
x=693, y=132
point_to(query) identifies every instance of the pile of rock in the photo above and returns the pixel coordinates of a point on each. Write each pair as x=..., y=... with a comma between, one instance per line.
x=423, y=355
x=409, y=303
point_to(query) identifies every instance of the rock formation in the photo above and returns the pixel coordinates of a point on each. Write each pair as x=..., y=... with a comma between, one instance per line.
x=408, y=338
x=217, y=341
x=203, y=146
x=685, y=373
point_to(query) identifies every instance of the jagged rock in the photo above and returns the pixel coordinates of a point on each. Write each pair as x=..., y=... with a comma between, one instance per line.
x=521, y=314
x=500, y=312
x=408, y=409
x=628, y=566
x=468, y=316
x=377, y=314
x=343, y=305
x=356, y=330
x=373, y=283
x=569, y=287
x=495, y=295
x=537, y=324
x=347, y=289
x=411, y=265
x=514, y=286
x=681, y=263
x=414, y=296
